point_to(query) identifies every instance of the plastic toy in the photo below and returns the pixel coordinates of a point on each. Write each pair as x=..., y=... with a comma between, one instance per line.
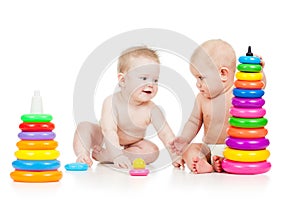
x=48, y=135
x=247, y=112
x=36, y=165
x=246, y=151
x=249, y=76
x=246, y=167
x=246, y=156
x=139, y=168
x=76, y=166
x=36, y=144
x=249, y=84
x=248, y=93
x=37, y=154
x=36, y=176
x=247, y=144
x=248, y=102
x=247, y=132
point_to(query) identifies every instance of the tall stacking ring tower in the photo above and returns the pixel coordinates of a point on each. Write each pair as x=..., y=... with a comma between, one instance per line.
x=246, y=151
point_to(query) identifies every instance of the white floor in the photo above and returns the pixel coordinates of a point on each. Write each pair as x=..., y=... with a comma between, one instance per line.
x=103, y=181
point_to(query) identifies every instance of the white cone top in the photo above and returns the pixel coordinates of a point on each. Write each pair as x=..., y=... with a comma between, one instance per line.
x=36, y=103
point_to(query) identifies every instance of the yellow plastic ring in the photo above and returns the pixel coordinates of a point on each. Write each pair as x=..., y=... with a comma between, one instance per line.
x=244, y=76
x=245, y=155
x=34, y=177
x=37, y=144
x=37, y=154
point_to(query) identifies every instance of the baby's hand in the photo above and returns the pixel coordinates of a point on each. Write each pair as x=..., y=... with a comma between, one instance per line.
x=262, y=62
x=178, y=145
x=122, y=161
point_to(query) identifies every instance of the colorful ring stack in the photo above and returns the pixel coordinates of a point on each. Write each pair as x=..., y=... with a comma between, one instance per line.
x=37, y=154
x=246, y=151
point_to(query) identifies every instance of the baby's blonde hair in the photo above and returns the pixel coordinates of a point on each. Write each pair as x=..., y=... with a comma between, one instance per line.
x=219, y=51
x=135, y=52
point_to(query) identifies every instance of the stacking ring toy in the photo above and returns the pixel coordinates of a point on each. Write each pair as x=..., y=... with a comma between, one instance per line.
x=246, y=155
x=247, y=132
x=36, y=144
x=244, y=76
x=37, y=135
x=37, y=154
x=34, y=177
x=249, y=84
x=249, y=67
x=36, y=118
x=245, y=167
x=139, y=172
x=248, y=93
x=248, y=102
x=247, y=112
x=247, y=144
x=248, y=122
x=36, y=165
x=76, y=166
x=32, y=127
x=249, y=59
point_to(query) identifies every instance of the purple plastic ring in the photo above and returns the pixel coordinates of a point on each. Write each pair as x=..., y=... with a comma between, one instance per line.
x=49, y=135
x=248, y=102
x=247, y=144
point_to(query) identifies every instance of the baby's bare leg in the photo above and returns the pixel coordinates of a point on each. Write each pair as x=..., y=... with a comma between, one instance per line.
x=87, y=135
x=197, y=158
x=144, y=149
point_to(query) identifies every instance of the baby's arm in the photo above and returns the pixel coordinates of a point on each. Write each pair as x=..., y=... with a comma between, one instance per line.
x=111, y=138
x=190, y=129
x=165, y=134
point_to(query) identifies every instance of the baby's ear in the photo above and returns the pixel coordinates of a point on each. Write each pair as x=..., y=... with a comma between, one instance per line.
x=224, y=73
x=121, y=79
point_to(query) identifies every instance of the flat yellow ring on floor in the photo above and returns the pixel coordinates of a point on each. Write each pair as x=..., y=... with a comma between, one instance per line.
x=245, y=155
x=34, y=177
x=249, y=76
x=37, y=154
x=36, y=144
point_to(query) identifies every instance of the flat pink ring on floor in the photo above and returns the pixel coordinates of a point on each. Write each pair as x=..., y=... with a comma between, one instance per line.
x=235, y=167
x=247, y=112
x=139, y=172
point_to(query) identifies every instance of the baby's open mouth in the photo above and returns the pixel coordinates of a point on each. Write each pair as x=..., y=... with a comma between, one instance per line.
x=146, y=91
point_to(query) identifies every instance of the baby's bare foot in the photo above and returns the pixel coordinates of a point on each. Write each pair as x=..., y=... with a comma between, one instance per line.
x=217, y=163
x=82, y=158
x=201, y=166
x=96, y=152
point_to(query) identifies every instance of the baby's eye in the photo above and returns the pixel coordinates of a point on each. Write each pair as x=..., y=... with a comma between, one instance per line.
x=201, y=77
x=143, y=78
x=155, y=80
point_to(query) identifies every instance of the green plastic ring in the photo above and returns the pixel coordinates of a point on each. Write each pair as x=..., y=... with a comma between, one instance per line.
x=36, y=118
x=248, y=122
x=249, y=67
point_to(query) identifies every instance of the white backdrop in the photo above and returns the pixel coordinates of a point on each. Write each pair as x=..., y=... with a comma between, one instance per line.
x=43, y=45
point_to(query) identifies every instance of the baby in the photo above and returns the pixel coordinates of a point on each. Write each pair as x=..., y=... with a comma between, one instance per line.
x=126, y=114
x=213, y=65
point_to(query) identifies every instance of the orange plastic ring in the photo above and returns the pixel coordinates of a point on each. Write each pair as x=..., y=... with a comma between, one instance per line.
x=249, y=84
x=247, y=132
x=34, y=177
x=37, y=144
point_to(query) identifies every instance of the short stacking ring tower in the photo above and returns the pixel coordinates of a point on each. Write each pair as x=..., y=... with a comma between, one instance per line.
x=37, y=154
x=246, y=151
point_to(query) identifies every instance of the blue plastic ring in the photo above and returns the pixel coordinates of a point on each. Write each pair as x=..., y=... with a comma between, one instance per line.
x=36, y=165
x=249, y=60
x=76, y=166
x=248, y=93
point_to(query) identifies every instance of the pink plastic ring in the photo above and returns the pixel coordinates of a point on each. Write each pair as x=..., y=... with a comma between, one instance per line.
x=235, y=167
x=139, y=172
x=247, y=112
